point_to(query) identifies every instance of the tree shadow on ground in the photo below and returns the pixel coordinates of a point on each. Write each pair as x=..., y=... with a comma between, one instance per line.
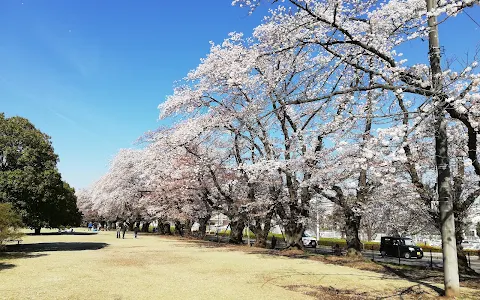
x=418, y=279
x=6, y=266
x=420, y=274
x=58, y=246
x=63, y=233
x=15, y=255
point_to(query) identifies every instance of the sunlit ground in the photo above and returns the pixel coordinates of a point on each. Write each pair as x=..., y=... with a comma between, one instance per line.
x=151, y=267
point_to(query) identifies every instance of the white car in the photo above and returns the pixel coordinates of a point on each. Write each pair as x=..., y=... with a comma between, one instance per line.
x=475, y=246
x=308, y=240
x=471, y=245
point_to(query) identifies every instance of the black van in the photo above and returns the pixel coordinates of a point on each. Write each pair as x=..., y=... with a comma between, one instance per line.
x=397, y=246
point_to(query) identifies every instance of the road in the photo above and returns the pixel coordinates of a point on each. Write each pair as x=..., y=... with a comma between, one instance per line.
x=435, y=261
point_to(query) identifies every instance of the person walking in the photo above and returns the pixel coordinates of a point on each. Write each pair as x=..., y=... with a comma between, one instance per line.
x=124, y=229
x=118, y=227
x=136, y=230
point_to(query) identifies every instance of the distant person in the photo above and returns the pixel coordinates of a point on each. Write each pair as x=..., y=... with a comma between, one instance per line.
x=136, y=230
x=118, y=227
x=90, y=225
x=124, y=229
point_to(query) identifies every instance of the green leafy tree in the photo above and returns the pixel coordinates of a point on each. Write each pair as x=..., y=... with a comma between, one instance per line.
x=29, y=178
x=10, y=223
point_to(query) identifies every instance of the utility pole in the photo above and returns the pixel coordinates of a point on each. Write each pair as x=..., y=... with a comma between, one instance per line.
x=444, y=189
x=248, y=232
x=318, y=221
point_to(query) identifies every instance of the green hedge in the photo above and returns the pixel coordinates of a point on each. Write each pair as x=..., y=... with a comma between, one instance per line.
x=331, y=242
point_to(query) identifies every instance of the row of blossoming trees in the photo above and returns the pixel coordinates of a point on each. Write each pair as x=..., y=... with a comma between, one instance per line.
x=319, y=102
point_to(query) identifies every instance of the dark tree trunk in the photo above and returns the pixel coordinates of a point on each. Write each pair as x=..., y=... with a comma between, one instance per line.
x=161, y=228
x=261, y=236
x=178, y=228
x=37, y=230
x=461, y=254
x=202, y=228
x=188, y=228
x=145, y=226
x=462, y=260
x=293, y=235
x=352, y=226
x=236, y=231
x=166, y=229
x=352, y=221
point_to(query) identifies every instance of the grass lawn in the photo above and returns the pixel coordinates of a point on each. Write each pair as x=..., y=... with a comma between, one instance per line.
x=154, y=267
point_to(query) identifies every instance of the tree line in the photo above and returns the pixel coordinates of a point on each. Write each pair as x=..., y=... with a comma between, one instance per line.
x=318, y=102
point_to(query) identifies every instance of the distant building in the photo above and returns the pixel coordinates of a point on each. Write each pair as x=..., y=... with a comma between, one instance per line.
x=218, y=219
x=474, y=220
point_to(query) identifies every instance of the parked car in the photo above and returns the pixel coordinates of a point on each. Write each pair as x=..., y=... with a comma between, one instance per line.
x=397, y=246
x=309, y=240
x=435, y=243
x=470, y=245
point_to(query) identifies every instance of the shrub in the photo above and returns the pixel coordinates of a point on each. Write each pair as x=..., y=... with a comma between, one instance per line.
x=10, y=222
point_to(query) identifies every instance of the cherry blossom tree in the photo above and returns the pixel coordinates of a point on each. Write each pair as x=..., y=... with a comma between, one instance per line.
x=365, y=35
x=243, y=102
x=85, y=205
x=117, y=194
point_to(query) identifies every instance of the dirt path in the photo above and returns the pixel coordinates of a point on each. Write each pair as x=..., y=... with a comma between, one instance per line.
x=103, y=267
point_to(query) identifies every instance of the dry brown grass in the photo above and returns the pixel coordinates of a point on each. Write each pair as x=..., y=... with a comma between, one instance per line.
x=153, y=267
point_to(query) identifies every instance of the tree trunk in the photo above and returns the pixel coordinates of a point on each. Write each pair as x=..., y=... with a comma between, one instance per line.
x=462, y=260
x=369, y=232
x=461, y=254
x=236, y=231
x=261, y=234
x=160, y=228
x=166, y=229
x=37, y=230
x=444, y=189
x=178, y=228
x=187, y=228
x=352, y=226
x=447, y=222
x=293, y=235
x=145, y=226
x=202, y=228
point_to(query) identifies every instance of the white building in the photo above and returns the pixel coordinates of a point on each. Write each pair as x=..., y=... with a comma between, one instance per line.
x=474, y=219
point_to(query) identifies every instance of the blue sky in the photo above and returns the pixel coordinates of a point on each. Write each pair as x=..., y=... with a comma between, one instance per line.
x=92, y=73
